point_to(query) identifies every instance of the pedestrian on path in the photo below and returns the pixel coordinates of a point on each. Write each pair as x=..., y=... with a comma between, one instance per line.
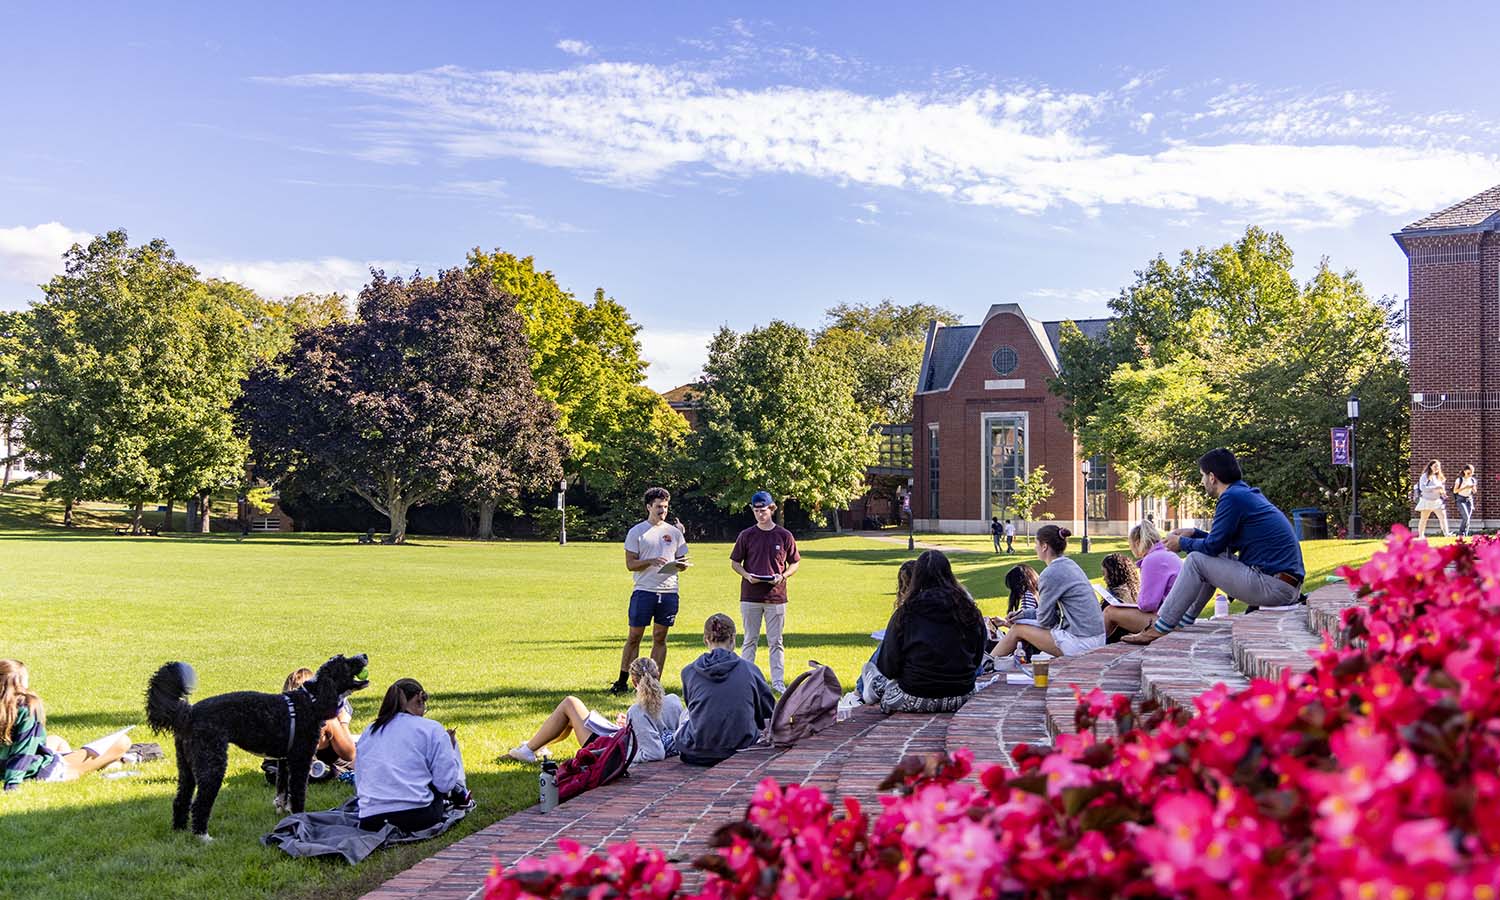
x=1463, y=496
x=765, y=556
x=1432, y=497
x=1010, y=535
x=996, y=532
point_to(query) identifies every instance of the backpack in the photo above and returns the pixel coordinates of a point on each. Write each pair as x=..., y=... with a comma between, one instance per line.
x=602, y=761
x=809, y=705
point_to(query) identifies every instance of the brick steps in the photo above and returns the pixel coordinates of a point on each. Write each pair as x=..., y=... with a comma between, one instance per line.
x=1325, y=609
x=1188, y=662
x=1114, y=667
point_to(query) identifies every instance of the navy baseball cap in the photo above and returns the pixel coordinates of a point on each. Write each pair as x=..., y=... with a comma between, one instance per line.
x=762, y=498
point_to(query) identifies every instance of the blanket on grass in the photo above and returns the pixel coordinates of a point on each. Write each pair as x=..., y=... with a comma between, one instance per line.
x=337, y=833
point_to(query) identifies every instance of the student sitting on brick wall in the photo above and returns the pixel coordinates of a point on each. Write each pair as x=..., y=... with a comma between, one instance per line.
x=728, y=699
x=933, y=644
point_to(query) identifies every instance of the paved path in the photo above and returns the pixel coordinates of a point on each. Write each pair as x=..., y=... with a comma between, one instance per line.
x=677, y=807
x=891, y=537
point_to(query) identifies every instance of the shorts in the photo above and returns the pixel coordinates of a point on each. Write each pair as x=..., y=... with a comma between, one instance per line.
x=1430, y=505
x=54, y=770
x=649, y=606
x=1072, y=645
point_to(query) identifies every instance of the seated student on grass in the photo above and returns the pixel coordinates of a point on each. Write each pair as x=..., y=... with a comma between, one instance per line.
x=1158, y=567
x=28, y=751
x=654, y=718
x=933, y=644
x=1269, y=569
x=1068, y=620
x=336, y=747
x=728, y=699
x=408, y=764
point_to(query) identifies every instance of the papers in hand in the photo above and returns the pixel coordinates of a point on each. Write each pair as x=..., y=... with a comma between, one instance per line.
x=600, y=725
x=1109, y=598
x=676, y=565
x=763, y=579
x=878, y=635
x=97, y=748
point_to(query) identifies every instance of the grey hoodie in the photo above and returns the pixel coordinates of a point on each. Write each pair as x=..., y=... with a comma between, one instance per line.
x=728, y=702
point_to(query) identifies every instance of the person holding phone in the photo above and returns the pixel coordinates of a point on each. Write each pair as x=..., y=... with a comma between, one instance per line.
x=655, y=551
x=765, y=556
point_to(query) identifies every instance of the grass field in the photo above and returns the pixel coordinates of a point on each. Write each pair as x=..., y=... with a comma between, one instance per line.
x=497, y=632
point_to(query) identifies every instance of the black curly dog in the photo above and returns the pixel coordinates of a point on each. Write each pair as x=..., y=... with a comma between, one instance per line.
x=280, y=726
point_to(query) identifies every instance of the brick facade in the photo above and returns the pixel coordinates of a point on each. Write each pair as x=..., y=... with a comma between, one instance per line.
x=1453, y=259
x=959, y=388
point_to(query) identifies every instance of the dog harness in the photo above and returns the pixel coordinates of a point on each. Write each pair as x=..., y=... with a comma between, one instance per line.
x=291, y=730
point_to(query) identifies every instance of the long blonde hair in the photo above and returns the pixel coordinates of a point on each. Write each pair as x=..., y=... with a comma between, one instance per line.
x=13, y=695
x=648, y=690
x=1143, y=537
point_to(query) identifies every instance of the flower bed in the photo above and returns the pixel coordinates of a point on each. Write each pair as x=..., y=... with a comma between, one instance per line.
x=1374, y=775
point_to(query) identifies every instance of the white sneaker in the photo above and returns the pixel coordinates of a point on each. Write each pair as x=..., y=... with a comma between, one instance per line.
x=523, y=754
x=778, y=689
x=867, y=693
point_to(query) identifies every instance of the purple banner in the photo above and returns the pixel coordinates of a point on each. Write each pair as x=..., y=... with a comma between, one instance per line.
x=1340, y=439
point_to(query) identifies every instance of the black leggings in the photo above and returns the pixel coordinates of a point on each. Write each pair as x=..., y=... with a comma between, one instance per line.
x=408, y=820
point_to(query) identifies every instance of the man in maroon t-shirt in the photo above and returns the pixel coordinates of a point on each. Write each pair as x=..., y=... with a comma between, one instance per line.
x=765, y=556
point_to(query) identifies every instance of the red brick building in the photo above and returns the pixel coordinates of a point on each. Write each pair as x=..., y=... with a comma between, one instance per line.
x=1453, y=263
x=983, y=417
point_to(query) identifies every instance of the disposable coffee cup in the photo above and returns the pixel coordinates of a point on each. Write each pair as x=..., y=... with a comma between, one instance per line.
x=1039, y=673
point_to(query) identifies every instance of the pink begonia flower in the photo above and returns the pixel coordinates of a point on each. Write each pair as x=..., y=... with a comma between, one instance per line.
x=961, y=864
x=1063, y=773
x=1425, y=840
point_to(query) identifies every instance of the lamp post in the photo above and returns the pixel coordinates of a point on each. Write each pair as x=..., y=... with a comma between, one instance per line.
x=1087, y=467
x=1354, y=523
x=911, y=517
x=562, y=507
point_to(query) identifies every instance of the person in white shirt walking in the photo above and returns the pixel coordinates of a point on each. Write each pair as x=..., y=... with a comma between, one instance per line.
x=655, y=551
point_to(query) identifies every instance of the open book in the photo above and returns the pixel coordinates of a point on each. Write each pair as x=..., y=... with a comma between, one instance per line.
x=676, y=565
x=1109, y=598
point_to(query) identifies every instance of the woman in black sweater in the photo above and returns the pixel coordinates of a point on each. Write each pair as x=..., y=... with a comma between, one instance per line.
x=933, y=644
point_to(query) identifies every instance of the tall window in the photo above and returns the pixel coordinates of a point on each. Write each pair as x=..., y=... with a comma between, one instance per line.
x=1096, y=489
x=1005, y=459
x=932, y=471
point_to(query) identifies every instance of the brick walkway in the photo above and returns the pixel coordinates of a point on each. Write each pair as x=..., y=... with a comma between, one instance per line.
x=677, y=807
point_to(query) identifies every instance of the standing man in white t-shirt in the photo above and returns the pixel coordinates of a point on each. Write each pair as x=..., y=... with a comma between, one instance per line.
x=655, y=551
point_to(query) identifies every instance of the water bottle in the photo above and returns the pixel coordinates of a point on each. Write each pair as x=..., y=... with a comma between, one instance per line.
x=548, y=781
x=1221, y=607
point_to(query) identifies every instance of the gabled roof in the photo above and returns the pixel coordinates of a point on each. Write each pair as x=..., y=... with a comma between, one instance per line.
x=948, y=346
x=684, y=394
x=1478, y=212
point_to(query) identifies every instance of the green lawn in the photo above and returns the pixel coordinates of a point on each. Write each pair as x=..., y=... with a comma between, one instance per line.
x=497, y=632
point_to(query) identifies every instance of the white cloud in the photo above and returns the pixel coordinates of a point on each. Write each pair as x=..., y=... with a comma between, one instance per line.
x=286, y=278
x=675, y=357
x=871, y=207
x=34, y=253
x=1022, y=147
x=575, y=48
x=1077, y=295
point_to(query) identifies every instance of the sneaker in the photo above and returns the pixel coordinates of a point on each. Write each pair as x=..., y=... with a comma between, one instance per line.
x=619, y=687
x=867, y=675
x=778, y=689
x=523, y=754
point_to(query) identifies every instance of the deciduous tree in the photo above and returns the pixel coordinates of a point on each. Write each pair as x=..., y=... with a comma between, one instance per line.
x=880, y=346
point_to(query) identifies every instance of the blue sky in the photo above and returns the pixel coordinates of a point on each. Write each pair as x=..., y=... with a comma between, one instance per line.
x=712, y=164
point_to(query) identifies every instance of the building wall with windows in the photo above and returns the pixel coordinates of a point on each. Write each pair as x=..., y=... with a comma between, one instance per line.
x=983, y=418
x=1453, y=265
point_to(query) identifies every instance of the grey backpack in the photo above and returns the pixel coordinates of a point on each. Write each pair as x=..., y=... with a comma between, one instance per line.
x=809, y=705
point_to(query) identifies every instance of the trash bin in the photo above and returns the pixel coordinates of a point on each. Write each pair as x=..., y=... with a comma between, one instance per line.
x=1310, y=523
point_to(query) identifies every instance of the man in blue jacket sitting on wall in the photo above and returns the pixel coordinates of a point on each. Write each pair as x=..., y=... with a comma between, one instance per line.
x=1269, y=569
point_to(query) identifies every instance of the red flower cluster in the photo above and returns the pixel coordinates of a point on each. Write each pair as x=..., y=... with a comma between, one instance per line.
x=1374, y=775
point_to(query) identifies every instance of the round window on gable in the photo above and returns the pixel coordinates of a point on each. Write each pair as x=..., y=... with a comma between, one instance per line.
x=1004, y=360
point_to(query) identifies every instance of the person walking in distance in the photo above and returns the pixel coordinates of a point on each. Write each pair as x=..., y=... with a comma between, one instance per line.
x=1463, y=497
x=655, y=551
x=996, y=530
x=1432, y=497
x=1010, y=536
x=764, y=556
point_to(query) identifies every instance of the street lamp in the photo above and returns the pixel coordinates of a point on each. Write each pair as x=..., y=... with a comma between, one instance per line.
x=1354, y=523
x=1088, y=467
x=562, y=507
x=911, y=517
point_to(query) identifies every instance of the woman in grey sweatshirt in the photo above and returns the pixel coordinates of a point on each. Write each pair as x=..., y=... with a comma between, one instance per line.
x=1068, y=620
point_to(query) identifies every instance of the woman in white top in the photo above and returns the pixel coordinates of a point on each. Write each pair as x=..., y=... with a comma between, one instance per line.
x=1463, y=497
x=409, y=765
x=654, y=717
x=1432, y=495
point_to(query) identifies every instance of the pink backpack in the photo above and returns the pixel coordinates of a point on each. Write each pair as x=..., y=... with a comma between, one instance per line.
x=602, y=761
x=809, y=705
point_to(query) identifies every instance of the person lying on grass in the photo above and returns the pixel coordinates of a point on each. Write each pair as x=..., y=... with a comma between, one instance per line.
x=27, y=751
x=654, y=717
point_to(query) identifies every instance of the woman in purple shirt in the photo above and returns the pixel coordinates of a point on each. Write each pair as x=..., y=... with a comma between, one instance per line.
x=1159, y=567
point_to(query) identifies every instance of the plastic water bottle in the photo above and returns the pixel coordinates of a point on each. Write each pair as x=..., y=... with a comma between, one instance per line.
x=1221, y=607
x=548, y=781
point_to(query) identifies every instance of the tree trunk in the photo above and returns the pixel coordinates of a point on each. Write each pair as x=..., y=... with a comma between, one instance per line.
x=68, y=512
x=135, y=519
x=5, y=482
x=398, y=507
x=487, y=519
x=166, y=520
x=205, y=513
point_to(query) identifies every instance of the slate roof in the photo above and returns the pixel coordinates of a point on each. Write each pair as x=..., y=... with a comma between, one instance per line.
x=1477, y=210
x=1093, y=329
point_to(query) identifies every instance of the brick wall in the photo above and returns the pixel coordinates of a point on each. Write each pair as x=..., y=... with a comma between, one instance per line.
x=1454, y=281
